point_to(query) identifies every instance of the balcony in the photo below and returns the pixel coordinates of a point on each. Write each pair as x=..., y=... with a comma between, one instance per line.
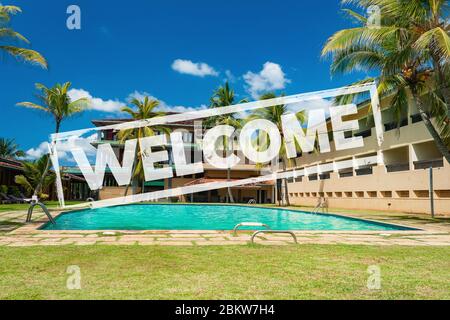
x=397, y=167
x=425, y=164
x=346, y=173
x=324, y=176
x=417, y=118
x=365, y=134
x=363, y=171
x=394, y=125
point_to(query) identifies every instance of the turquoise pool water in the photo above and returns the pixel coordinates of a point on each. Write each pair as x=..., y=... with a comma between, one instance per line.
x=204, y=217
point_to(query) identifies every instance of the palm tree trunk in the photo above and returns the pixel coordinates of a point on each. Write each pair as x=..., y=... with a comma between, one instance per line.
x=443, y=149
x=286, y=190
x=126, y=189
x=47, y=168
x=134, y=185
x=226, y=152
x=230, y=194
x=132, y=171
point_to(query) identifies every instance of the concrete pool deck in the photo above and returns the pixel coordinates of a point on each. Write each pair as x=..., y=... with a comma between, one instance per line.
x=433, y=232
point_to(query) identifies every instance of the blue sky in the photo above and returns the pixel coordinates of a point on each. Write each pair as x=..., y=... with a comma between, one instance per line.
x=156, y=47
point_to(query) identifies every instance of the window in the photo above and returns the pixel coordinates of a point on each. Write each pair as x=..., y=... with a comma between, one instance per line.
x=403, y=194
x=443, y=193
x=386, y=194
x=372, y=194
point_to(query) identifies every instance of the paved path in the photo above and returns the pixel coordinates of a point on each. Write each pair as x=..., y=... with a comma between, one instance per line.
x=433, y=233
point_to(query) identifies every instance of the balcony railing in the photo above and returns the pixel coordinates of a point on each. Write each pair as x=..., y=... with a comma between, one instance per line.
x=364, y=134
x=364, y=171
x=324, y=176
x=394, y=125
x=345, y=174
x=425, y=164
x=417, y=118
x=397, y=167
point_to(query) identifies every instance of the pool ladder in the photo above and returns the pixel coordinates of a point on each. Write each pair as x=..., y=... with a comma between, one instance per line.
x=274, y=231
x=321, y=205
x=249, y=224
x=259, y=224
x=43, y=207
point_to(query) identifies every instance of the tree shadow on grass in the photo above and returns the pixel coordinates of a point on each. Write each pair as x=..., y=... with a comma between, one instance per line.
x=411, y=218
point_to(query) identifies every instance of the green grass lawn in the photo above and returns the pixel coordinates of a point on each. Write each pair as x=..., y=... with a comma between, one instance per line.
x=25, y=206
x=223, y=272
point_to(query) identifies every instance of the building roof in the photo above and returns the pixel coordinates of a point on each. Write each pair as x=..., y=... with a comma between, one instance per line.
x=210, y=180
x=112, y=121
x=10, y=164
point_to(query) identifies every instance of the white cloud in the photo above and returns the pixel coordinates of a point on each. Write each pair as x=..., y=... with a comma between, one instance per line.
x=163, y=106
x=97, y=104
x=199, y=69
x=229, y=76
x=39, y=151
x=115, y=106
x=270, y=78
x=64, y=147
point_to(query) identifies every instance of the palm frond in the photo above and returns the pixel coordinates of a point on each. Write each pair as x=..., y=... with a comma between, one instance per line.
x=358, y=17
x=32, y=105
x=27, y=55
x=356, y=59
x=347, y=38
x=10, y=33
x=437, y=40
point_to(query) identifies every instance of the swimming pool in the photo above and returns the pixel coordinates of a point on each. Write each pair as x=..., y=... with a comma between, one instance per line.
x=206, y=217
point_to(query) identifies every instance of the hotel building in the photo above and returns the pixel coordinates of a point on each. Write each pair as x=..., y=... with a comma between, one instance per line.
x=398, y=180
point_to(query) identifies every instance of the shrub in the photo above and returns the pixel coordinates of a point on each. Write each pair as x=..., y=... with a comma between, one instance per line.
x=3, y=189
x=14, y=190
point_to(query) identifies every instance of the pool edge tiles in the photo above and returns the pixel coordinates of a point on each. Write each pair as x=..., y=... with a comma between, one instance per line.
x=192, y=218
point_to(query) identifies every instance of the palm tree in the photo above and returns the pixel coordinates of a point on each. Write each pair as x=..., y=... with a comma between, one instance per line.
x=274, y=114
x=27, y=55
x=56, y=102
x=222, y=97
x=145, y=110
x=33, y=171
x=411, y=53
x=9, y=149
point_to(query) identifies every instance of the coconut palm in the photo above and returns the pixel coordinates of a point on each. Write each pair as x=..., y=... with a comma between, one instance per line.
x=144, y=109
x=410, y=51
x=9, y=149
x=55, y=101
x=6, y=33
x=274, y=114
x=33, y=171
x=222, y=97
